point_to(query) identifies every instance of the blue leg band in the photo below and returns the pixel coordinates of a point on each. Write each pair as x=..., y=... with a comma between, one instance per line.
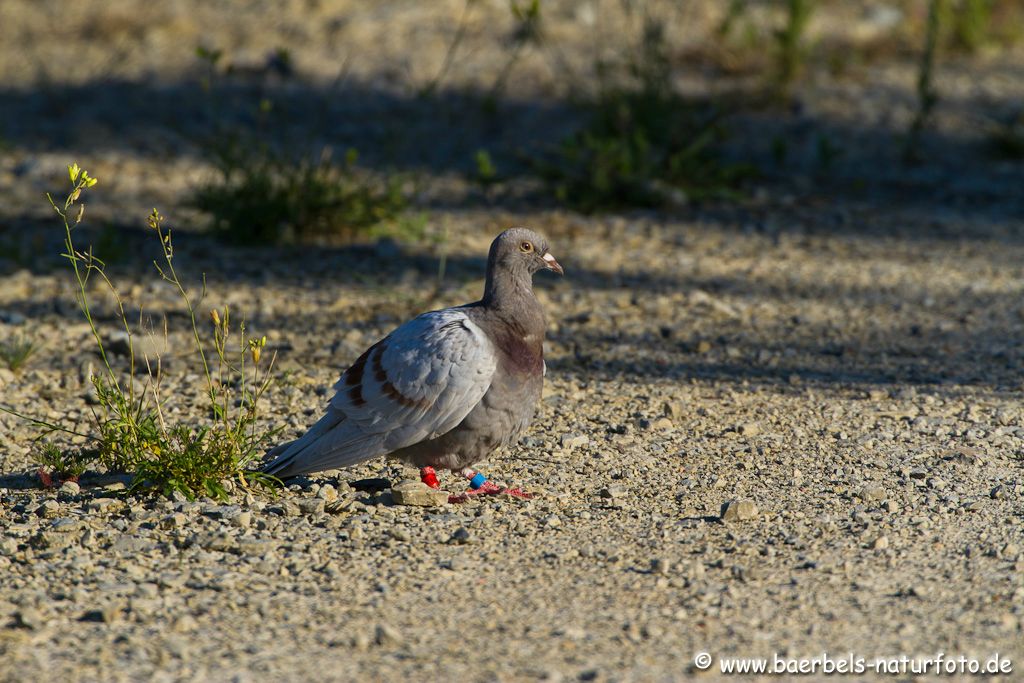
x=477, y=481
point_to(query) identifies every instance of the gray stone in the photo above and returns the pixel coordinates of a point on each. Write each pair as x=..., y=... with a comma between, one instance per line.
x=104, y=505
x=185, y=623
x=748, y=429
x=130, y=545
x=50, y=540
x=327, y=492
x=871, y=494
x=314, y=507
x=107, y=614
x=144, y=607
x=661, y=565
x=571, y=441
x=70, y=488
x=286, y=508
x=738, y=510
x=219, y=542
x=49, y=509
x=220, y=511
x=613, y=491
x=672, y=409
x=417, y=493
x=242, y=520
x=337, y=506
x=385, y=634
x=250, y=545
x=174, y=521
x=30, y=618
x=461, y=536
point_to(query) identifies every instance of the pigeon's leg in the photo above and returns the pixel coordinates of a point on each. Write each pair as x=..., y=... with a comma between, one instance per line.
x=429, y=477
x=479, y=485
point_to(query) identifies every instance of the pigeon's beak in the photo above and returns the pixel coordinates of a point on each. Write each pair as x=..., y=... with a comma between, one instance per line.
x=551, y=264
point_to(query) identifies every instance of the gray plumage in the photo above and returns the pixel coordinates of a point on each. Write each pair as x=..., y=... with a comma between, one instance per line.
x=447, y=387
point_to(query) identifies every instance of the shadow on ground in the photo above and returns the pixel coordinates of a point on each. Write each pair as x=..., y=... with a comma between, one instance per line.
x=440, y=134
x=958, y=196
x=898, y=340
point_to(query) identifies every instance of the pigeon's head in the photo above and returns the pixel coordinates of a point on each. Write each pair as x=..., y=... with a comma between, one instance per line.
x=521, y=250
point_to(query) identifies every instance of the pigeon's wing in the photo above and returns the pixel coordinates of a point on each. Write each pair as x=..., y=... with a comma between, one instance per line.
x=415, y=384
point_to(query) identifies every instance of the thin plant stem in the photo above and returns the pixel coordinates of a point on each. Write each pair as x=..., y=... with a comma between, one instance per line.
x=926, y=95
x=165, y=243
x=449, y=56
x=50, y=426
x=73, y=256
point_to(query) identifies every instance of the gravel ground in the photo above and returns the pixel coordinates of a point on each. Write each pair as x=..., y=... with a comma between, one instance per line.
x=791, y=425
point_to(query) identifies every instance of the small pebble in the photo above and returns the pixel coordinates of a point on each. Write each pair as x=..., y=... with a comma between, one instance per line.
x=70, y=488
x=738, y=510
x=461, y=536
x=417, y=493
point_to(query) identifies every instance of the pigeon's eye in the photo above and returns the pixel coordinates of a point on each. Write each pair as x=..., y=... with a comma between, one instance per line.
x=526, y=247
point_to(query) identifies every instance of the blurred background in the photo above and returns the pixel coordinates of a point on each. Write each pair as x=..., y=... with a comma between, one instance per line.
x=329, y=120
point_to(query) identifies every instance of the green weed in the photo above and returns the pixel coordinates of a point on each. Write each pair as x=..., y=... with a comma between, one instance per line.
x=262, y=193
x=642, y=149
x=970, y=24
x=791, y=51
x=131, y=431
x=927, y=97
x=486, y=171
x=263, y=197
x=62, y=465
x=643, y=144
x=827, y=152
x=15, y=352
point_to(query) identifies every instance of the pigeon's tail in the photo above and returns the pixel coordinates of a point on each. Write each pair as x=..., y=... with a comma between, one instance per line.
x=303, y=455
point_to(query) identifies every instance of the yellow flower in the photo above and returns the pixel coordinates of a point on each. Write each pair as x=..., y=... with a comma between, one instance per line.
x=256, y=348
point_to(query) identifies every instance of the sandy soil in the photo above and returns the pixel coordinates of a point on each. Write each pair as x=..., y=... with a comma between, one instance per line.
x=842, y=349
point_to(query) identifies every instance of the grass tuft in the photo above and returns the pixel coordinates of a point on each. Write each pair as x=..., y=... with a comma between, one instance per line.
x=644, y=149
x=131, y=432
x=16, y=351
x=59, y=465
x=267, y=198
x=644, y=145
x=263, y=193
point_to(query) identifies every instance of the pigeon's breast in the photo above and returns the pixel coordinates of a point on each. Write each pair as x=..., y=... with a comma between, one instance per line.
x=522, y=355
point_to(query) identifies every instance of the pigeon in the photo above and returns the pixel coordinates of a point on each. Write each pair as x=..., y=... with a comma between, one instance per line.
x=444, y=389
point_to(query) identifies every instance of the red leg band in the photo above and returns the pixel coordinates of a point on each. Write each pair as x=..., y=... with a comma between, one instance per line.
x=429, y=477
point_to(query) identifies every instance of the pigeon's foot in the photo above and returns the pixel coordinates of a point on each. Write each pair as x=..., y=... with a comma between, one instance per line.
x=481, y=486
x=429, y=477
